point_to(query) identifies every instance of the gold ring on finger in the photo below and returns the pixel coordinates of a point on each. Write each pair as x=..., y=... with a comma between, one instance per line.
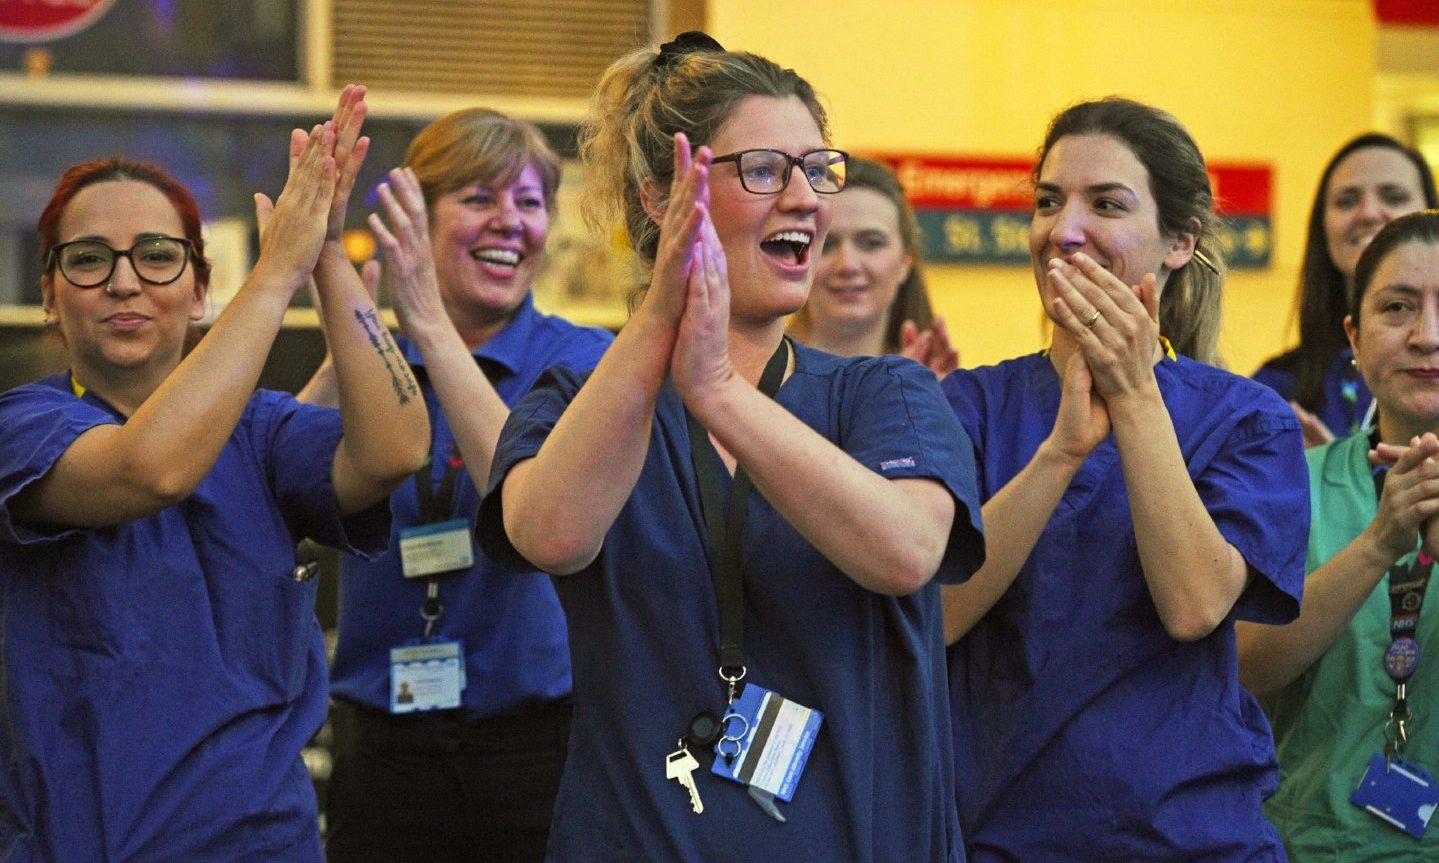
x=1092, y=318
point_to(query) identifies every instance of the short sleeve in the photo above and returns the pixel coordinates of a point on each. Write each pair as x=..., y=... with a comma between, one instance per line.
x=1257, y=491
x=900, y=426
x=525, y=431
x=297, y=443
x=37, y=424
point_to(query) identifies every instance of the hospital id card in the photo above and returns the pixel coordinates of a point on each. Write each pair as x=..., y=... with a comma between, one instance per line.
x=1399, y=793
x=427, y=676
x=779, y=735
x=430, y=549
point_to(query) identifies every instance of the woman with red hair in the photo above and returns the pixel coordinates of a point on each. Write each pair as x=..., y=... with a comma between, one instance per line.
x=160, y=661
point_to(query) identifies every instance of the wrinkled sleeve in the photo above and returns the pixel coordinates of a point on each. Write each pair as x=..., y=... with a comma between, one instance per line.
x=1257, y=491
x=298, y=443
x=526, y=429
x=37, y=424
x=900, y=426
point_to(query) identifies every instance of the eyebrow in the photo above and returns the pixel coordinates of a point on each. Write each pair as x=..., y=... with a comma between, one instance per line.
x=98, y=238
x=1095, y=189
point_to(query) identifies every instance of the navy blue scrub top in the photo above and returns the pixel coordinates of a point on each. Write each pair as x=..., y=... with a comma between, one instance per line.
x=643, y=627
x=160, y=677
x=1083, y=730
x=1345, y=398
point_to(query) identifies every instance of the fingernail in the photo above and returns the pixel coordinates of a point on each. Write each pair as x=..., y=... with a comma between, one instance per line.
x=1080, y=256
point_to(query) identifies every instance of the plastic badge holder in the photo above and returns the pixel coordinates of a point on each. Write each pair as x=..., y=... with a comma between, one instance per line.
x=1400, y=794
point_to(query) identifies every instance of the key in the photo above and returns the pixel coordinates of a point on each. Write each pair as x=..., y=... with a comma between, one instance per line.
x=680, y=766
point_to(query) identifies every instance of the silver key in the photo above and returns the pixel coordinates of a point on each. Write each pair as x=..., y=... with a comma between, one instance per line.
x=680, y=766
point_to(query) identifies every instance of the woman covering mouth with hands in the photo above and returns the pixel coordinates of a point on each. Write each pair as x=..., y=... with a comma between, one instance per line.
x=1138, y=503
x=633, y=486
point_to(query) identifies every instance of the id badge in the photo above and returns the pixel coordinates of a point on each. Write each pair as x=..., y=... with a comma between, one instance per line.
x=426, y=676
x=1401, y=794
x=429, y=549
x=767, y=740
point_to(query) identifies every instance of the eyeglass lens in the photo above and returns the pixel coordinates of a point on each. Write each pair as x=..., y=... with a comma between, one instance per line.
x=767, y=171
x=88, y=263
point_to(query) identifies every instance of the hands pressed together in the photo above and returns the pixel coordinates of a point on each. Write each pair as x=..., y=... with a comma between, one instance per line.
x=310, y=211
x=1411, y=496
x=690, y=291
x=1116, y=329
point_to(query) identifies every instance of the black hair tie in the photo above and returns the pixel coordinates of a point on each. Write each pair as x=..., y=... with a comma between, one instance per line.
x=685, y=43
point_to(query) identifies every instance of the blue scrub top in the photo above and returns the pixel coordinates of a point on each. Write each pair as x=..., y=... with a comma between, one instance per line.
x=1345, y=397
x=878, y=785
x=1083, y=730
x=161, y=676
x=509, y=623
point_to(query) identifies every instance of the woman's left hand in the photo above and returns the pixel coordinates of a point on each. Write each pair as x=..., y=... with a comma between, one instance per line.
x=1121, y=342
x=700, y=363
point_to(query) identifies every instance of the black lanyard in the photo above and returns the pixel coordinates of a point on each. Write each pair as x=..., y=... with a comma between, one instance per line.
x=1407, y=584
x=724, y=526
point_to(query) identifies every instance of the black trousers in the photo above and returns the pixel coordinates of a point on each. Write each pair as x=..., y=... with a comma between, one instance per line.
x=433, y=787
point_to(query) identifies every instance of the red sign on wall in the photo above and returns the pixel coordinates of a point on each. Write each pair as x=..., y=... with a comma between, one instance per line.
x=47, y=20
x=976, y=210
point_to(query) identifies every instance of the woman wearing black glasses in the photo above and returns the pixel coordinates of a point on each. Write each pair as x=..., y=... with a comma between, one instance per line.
x=160, y=662
x=863, y=494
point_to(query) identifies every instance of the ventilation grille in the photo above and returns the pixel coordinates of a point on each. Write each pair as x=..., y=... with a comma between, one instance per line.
x=547, y=48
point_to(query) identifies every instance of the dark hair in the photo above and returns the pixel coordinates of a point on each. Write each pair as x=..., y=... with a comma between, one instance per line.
x=1323, y=295
x=1421, y=227
x=1189, y=314
x=477, y=145
x=643, y=99
x=911, y=302
x=113, y=168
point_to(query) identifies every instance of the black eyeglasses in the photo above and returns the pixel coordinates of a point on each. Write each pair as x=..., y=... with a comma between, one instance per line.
x=766, y=172
x=90, y=263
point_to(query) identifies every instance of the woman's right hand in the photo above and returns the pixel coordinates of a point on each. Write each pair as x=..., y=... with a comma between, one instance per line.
x=679, y=233
x=1083, y=419
x=293, y=227
x=1411, y=495
x=404, y=238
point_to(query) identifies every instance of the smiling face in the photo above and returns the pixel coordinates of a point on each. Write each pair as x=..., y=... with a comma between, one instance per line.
x=1396, y=345
x=769, y=240
x=1093, y=196
x=1367, y=189
x=862, y=265
x=132, y=325
x=487, y=244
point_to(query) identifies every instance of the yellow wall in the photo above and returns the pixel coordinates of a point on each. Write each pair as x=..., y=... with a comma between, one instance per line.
x=1276, y=81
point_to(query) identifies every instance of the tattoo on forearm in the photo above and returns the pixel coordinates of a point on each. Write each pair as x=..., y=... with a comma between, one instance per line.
x=400, y=378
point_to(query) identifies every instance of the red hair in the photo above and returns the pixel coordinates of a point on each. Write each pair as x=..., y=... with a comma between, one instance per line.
x=119, y=168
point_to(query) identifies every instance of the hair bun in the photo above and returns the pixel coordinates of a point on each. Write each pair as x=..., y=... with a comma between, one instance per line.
x=685, y=43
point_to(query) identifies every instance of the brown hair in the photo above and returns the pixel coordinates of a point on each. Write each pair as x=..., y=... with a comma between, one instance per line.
x=1189, y=312
x=911, y=303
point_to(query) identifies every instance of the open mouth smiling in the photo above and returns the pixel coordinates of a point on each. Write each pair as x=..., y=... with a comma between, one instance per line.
x=791, y=247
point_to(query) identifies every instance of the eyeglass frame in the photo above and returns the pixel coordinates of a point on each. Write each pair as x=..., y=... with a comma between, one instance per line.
x=789, y=166
x=117, y=254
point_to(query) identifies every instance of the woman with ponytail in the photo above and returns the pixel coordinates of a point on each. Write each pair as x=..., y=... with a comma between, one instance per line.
x=1139, y=501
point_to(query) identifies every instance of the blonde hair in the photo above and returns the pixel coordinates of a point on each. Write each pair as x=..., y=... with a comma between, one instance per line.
x=643, y=99
x=477, y=145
